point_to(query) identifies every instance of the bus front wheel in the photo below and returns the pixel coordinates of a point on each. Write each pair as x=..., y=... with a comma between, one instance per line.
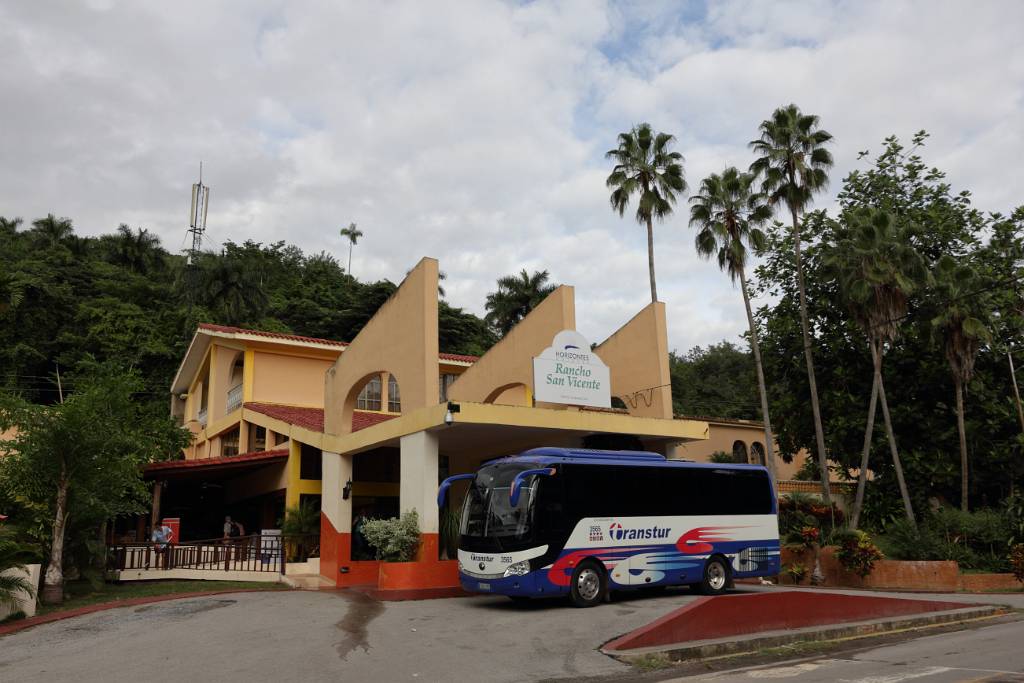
x=589, y=584
x=716, y=577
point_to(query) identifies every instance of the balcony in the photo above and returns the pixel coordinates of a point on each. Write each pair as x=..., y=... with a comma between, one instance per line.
x=234, y=398
x=201, y=416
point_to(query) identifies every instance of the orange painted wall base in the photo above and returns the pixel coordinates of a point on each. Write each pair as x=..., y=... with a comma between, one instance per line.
x=427, y=572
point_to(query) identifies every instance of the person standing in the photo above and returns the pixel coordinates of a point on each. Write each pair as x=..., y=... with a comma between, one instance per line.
x=162, y=535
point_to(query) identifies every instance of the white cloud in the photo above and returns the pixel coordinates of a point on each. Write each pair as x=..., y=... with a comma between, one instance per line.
x=474, y=131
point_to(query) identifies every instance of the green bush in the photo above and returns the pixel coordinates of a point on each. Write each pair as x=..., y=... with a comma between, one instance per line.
x=976, y=540
x=858, y=554
x=395, y=540
x=799, y=512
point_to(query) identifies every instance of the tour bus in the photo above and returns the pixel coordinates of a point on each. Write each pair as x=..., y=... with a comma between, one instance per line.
x=556, y=521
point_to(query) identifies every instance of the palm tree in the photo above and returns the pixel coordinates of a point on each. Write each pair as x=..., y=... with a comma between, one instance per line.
x=516, y=296
x=727, y=213
x=138, y=251
x=877, y=270
x=233, y=289
x=792, y=162
x=961, y=328
x=353, y=234
x=52, y=230
x=645, y=166
x=13, y=555
x=9, y=226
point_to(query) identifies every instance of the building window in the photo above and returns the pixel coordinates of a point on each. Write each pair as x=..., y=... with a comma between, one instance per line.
x=258, y=438
x=369, y=397
x=739, y=452
x=446, y=379
x=229, y=444
x=310, y=463
x=757, y=453
x=394, y=397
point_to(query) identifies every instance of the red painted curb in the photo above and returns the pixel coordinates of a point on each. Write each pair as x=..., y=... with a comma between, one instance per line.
x=22, y=624
x=734, y=615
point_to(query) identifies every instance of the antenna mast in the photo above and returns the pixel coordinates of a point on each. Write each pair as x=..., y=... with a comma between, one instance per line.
x=197, y=226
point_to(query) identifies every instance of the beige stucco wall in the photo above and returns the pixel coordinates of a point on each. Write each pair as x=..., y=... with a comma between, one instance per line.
x=509, y=363
x=290, y=379
x=401, y=338
x=637, y=357
x=273, y=477
x=722, y=436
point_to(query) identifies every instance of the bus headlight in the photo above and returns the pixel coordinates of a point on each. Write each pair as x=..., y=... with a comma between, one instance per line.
x=518, y=569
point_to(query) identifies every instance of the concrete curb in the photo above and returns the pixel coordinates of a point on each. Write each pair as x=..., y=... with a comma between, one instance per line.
x=721, y=647
x=22, y=624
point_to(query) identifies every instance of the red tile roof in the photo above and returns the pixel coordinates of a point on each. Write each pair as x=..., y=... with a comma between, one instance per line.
x=255, y=456
x=309, y=418
x=272, y=335
x=313, y=418
x=457, y=357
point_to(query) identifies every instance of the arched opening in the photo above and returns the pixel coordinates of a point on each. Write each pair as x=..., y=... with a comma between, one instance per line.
x=757, y=453
x=515, y=394
x=739, y=452
x=369, y=396
x=618, y=403
x=235, y=379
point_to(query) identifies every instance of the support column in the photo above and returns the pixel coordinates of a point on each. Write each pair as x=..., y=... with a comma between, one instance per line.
x=418, y=475
x=154, y=513
x=335, y=518
x=243, y=437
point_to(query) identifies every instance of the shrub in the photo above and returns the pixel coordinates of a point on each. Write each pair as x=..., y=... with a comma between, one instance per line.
x=810, y=535
x=395, y=540
x=796, y=571
x=1017, y=561
x=975, y=540
x=858, y=554
x=798, y=511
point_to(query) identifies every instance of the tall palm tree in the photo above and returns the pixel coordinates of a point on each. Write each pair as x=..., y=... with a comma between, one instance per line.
x=233, y=289
x=9, y=226
x=52, y=230
x=961, y=328
x=727, y=213
x=644, y=166
x=353, y=234
x=877, y=269
x=516, y=296
x=793, y=162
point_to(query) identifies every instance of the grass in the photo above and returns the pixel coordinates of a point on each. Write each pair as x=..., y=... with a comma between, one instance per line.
x=82, y=594
x=653, y=661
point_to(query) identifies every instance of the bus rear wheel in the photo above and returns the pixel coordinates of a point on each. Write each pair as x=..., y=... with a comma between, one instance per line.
x=716, y=577
x=589, y=584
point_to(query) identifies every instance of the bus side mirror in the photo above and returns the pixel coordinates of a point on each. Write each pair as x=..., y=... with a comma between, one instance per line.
x=447, y=483
x=517, y=483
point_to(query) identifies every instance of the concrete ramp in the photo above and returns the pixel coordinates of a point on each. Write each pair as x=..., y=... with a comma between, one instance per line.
x=727, y=616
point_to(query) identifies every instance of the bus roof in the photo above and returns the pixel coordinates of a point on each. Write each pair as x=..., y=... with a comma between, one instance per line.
x=550, y=455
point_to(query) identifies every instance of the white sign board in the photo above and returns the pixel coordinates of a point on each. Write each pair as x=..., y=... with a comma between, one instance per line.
x=569, y=372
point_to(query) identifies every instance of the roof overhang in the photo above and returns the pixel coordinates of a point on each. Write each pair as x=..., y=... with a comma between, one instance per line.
x=477, y=423
x=207, y=467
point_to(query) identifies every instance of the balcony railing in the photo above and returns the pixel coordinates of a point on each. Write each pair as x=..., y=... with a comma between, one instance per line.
x=235, y=398
x=201, y=416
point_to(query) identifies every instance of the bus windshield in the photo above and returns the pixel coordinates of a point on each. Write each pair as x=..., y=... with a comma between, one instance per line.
x=488, y=514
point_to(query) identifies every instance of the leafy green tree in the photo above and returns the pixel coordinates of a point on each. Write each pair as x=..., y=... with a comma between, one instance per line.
x=352, y=234
x=83, y=457
x=726, y=214
x=645, y=166
x=714, y=381
x=139, y=251
x=878, y=270
x=52, y=230
x=515, y=297
x=960, y=325
x=793, y=163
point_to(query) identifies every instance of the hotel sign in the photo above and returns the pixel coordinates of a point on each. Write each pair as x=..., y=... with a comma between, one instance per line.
x=569, y=372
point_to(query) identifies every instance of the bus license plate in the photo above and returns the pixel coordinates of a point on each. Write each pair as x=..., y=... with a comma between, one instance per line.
x=485, y=586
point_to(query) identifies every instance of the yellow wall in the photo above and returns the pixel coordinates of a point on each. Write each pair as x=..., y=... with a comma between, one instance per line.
x=722, y=436
x=297, y=485
x=637, y=357
x=401, y=338
x=289, y=379
x=509, y=363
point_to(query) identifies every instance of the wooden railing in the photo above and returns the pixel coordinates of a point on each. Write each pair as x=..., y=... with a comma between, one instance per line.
x=256, y=553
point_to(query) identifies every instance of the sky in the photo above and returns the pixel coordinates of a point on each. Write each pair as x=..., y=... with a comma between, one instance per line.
x=475, y=132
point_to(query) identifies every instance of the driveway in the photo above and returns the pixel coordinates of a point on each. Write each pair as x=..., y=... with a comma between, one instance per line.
x=293, y=635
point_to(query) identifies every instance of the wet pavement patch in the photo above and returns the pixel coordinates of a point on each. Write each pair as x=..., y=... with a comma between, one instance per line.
x=362, y=609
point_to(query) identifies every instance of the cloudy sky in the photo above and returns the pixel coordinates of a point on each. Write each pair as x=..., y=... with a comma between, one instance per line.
x=475, y=132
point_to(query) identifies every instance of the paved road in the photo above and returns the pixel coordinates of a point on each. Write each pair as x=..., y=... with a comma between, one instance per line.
x=303, y=636
x=993, y=653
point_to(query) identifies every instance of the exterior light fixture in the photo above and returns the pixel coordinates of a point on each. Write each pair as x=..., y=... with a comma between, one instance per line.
x=346, y=492
x=449, y=417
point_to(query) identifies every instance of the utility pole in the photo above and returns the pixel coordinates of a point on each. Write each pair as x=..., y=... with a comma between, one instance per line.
x=197, y=226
